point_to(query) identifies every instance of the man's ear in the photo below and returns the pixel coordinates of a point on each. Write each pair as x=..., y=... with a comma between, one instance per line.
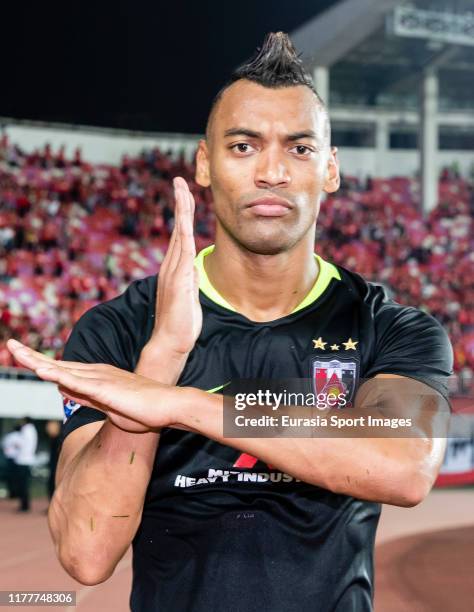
x=202, y=164
x=333, y=179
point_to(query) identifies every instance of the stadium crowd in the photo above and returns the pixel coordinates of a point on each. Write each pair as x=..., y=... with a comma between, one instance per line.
x=73, y=234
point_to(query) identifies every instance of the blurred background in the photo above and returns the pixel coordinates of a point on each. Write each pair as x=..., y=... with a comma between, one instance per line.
x=102, y=105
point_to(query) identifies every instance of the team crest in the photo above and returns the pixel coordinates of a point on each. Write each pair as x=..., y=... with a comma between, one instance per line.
x=335, y=376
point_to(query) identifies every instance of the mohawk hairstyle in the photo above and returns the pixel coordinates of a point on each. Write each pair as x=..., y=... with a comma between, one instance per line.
x=276, y=64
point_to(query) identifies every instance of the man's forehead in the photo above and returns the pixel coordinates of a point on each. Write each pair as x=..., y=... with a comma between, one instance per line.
x=283, y=109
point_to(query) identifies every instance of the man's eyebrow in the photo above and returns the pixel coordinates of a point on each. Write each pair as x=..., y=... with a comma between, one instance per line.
x=302, y=134
x=240, y=131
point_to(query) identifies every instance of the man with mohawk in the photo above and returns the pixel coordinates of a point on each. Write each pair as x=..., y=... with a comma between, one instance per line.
x=144, y=458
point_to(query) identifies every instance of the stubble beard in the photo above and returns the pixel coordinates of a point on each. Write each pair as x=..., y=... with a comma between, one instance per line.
x=246, y=236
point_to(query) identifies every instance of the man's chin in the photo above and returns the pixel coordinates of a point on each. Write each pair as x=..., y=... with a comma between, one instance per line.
x=265, y=237
x=268, y=245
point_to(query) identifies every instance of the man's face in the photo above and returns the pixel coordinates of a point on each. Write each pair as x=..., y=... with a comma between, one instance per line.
x=267, y=160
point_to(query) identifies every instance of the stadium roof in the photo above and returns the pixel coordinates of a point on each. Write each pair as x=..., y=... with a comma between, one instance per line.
x=372, y=66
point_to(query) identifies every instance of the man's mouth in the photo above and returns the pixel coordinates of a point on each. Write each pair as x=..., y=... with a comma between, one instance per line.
x=270, y=206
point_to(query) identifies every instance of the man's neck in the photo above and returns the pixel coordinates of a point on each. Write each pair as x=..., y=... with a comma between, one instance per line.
x=262, y=287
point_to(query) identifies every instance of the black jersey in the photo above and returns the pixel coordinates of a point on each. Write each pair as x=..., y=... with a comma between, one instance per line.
x=221, y=531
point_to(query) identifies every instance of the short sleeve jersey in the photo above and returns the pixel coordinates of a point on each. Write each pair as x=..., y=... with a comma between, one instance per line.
x=221, y=530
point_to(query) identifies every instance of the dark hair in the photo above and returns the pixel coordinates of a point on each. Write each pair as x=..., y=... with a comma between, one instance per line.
x=276, y=64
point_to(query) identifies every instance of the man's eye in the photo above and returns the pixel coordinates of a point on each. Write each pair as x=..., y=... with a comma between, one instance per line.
x=302, y=150
x=241, y=147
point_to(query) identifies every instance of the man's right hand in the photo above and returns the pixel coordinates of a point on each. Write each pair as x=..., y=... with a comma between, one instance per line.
x=178, y=313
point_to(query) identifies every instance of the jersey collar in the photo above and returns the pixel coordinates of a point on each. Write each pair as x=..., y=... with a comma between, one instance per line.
x=327, y=271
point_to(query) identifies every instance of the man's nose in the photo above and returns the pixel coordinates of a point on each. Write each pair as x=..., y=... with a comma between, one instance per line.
x=271, y=170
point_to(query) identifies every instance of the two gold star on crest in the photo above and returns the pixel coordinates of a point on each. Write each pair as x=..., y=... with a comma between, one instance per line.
x=349, y=345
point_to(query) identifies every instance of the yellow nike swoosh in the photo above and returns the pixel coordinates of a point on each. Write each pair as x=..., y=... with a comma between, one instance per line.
x=218, y=388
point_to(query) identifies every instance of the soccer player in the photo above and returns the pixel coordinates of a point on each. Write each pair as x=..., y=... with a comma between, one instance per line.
x=241, y=524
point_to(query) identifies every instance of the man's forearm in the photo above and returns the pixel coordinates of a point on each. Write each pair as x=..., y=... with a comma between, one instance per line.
x=98, y=503
x=389, y=470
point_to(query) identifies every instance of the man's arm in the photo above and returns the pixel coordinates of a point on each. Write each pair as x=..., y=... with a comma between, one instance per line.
x=102, y=477
x=393, y=470
x=104, y=467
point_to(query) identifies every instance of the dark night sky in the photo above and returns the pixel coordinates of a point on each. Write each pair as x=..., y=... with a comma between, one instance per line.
x=138, y=65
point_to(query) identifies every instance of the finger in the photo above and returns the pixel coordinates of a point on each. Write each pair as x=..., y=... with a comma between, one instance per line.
x=30, y=359
x=188, y=200
x=14, y=346
x=173, y=251
x=188, y=222
x=193, y=202
x=178, y=211
x=93, y=370
x=171, y=247
x=82, y=366
x=33, y=359
x=98, y=371
x=179, y=195
x=57, y=374
x=188, y=246
x=169, y=263
x=72, y=382
x=91, y=373
x=169, y=254
x=25, y=354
